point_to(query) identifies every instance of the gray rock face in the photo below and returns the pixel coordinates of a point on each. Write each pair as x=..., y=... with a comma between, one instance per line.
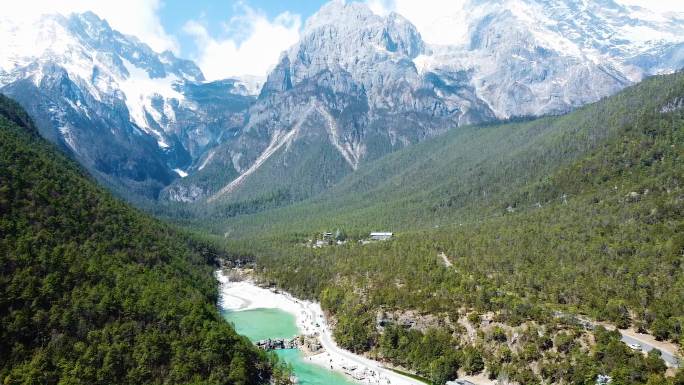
x=350, y=79
x=377, y=53
x=374, y=85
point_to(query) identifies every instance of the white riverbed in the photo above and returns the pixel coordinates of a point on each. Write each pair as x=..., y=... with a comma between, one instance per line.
x=245, y=295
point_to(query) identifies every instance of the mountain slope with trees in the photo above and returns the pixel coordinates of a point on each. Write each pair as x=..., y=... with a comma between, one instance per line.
x=583, y=214
x=94, y=292
x=463, y=176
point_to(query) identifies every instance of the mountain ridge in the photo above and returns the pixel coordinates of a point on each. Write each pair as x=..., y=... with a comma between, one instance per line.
x=149, y=126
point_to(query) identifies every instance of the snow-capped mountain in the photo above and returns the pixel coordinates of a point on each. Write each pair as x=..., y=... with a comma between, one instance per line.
x=355, y=87
x=537, y=57
x=358, y=85
x=130, y=115
x=347, y=91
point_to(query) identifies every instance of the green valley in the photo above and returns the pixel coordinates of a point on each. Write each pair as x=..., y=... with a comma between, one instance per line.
x=577, y=214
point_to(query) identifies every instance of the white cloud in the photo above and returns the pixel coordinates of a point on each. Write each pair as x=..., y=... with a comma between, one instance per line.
x=657, y=5
x=252, y=46
x=132, y=17
x=380, y=7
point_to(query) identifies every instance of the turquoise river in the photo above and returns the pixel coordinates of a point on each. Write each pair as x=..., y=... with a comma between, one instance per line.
x=260, y=324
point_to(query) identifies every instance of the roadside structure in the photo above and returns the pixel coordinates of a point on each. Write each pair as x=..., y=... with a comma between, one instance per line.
x=380, y=236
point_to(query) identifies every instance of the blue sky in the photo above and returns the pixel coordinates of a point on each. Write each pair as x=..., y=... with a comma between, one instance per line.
x=174, y=14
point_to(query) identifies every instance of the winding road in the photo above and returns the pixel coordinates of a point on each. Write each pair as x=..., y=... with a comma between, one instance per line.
x=668, y=351
x=668, y=356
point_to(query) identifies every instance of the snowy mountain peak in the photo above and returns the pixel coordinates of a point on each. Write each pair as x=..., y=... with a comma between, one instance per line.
x=359, y=25
x=347, y=36
x=71, y=38
x=89, y=26
x=103, y=94
x=104, y=62
x=341, y=12
x=532, y=57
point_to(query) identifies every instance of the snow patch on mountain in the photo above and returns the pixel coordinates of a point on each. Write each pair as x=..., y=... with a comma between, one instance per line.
x=351, y=153
x=180, y=172
x=139, y=89
x=206, y=160
x=22, y=43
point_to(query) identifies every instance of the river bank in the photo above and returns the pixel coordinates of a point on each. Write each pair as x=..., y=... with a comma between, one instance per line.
x=310, y=320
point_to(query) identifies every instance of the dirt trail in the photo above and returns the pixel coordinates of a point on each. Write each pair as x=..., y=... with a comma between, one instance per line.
x=446, y=260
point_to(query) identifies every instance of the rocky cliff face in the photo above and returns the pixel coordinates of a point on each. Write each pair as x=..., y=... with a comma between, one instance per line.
x=351, y=80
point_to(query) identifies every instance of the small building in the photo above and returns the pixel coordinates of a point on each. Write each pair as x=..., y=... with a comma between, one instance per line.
x=327, y=235
x=321, y=243
x=380, y=236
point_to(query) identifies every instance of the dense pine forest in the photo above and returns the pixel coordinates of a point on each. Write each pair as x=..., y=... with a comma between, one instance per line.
x=580, y=214
x=94, y=292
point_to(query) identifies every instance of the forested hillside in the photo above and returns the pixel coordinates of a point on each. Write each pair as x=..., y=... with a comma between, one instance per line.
x=576, y=214
x=464, y=175
x=94, y=292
